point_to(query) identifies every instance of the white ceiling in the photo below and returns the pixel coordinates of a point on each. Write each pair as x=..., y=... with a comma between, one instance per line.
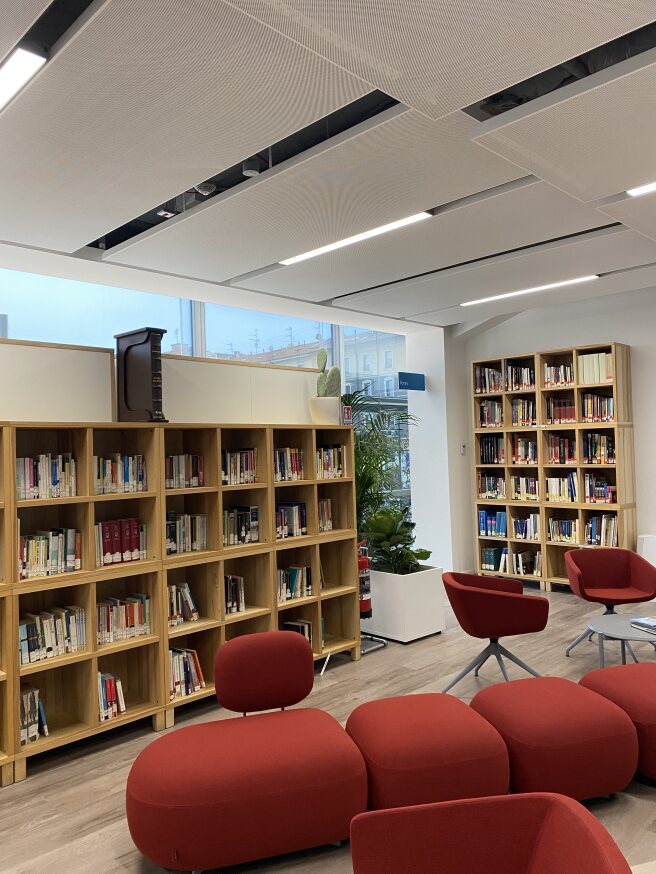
x=143, y=100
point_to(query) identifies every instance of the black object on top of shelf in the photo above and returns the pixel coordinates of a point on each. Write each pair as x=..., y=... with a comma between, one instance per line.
x=139, y=375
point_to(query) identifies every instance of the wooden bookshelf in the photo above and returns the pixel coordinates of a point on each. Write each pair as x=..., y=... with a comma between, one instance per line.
x=68, y=683
x=531, y=406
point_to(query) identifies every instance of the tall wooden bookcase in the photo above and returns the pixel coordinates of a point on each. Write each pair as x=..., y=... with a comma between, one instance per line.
x=503, y=472
x=68, y=683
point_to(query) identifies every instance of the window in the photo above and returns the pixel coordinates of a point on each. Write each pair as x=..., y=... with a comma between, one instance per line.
x=348, y=388
x=366, y=387
x=389, y=359
x=366, y=362
x=347, y=364
x=389, y=387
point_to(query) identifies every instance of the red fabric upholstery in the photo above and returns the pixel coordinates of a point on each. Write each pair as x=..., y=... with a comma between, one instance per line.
x=422, y=748
x=494, y=607
x=240, y=789
x=610, y=576
x=264, y=671
x=633, y=688
x=512, y=834
x=561, y=737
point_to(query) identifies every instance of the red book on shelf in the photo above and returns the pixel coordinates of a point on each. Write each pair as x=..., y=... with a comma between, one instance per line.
x=115, y=527
x=106, y=532
x=134, y=539
x=126, y=539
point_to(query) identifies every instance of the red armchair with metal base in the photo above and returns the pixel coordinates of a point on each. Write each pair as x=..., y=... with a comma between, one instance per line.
x=493, y=607
x=537, y=833
x=609, y=577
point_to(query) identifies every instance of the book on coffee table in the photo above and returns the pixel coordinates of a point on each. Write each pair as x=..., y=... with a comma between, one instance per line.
x=644, y=623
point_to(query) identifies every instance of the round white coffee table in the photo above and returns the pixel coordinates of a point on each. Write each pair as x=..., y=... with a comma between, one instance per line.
x=617, y=626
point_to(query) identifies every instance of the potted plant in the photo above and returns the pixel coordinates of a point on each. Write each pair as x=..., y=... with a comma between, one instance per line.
x=325, y=409
x=407, y=596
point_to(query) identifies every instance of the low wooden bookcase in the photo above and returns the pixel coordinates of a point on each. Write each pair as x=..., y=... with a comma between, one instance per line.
x=516, y=446
x=68, y=684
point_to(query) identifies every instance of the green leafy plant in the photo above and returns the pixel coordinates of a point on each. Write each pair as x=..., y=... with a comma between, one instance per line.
x=391, y=542
x=329, y=383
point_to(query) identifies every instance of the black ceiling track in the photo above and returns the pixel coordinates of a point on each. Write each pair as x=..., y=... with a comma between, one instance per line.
x=53, y=23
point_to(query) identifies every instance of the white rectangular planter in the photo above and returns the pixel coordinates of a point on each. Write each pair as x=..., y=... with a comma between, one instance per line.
x=407, y=607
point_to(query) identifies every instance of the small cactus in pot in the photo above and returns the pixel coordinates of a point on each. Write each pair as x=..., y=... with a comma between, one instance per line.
x=329, y=382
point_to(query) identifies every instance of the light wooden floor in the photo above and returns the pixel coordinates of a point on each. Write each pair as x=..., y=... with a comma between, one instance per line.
x=68, y=816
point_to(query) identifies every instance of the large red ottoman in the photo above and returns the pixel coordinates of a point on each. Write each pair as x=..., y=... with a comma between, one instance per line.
x=561, y=737
x=423, y=748
x=633, y=688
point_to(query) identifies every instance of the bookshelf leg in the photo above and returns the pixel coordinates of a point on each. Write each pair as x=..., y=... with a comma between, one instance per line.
x=7, y=775
x=356, y=653
x=159, y=721
x=169, y=718
x=20, y=770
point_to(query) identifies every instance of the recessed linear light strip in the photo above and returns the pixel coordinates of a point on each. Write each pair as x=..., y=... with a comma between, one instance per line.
x=21, y=65
x=365, y=235
x=641, y=189
x=577, y=281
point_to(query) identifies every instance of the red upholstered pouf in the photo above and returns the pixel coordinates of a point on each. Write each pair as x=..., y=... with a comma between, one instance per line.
x=423, y=748
x=240, y=789
x=633, y=688
x=561, y=737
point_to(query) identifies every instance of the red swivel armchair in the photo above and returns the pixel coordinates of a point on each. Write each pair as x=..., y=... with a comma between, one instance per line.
x=609, y=577
x=491, y=607
x=538, y=833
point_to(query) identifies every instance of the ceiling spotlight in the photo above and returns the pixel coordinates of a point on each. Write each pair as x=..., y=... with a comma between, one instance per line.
x=165, y=213
x=205, y=188
x=469, y=303
x=642, y=189
x=250, y=167
x=21, y=65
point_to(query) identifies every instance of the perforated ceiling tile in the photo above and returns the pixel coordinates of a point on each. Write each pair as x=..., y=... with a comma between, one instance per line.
x=598, y=252
x=16, y=18
x=146, y=100
x=520, y=217
x=638, y=213
x=396, y=167
x=591, y=139
x=442, y=55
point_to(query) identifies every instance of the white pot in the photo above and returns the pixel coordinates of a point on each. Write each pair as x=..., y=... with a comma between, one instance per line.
x=407, y=607
x=325, y=411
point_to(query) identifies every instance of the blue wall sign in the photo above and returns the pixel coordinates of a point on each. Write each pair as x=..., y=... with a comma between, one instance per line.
x=412, y=381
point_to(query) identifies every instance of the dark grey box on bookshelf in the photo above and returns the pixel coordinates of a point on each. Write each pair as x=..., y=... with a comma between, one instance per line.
x=139, y=375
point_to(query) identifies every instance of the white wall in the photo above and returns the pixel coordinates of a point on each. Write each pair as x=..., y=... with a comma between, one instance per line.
x=627, y=318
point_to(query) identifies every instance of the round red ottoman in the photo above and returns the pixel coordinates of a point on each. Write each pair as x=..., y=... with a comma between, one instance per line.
x=240, y=789
x=633, y=688
x=423, y=748
x=561, y=737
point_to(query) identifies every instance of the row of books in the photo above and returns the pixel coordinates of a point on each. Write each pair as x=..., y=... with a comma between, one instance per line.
x=111, y=701
x=118, y=473
x=560, y=411
x=598, y=448
x=563, y=530
x=294, y=582
x=524, y=488
x=491, y=449
x=524, y=450
x=562, y=488
x=291, y=519
x=561, y=449
x=241, y=525
x=490, y=414
x=491, y=487
x=123, y=618
x=181, y=604
x=185, y=532
x=325, y=514
x=526, y=563
x=524, y=413
x=527, y=528
x=46, y=476
x=33, y=722
x=51, y=633
x=301, y=626
x=235, y=593
x=238, y=467
x=183, y=472
x=492, y=524
x=597, y=408
x=597, y=490
x=519, y=377
x=120, y=541
x=185, y=673
x=48, y=553
x=595, y=367
x=288, y=464
x=491, y=558
x=558, y=375
x=487, y=379
x=331, y=461
x=601, y=530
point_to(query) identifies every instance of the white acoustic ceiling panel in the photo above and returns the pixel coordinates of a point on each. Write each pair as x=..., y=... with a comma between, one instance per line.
x=592, y=139
x=522, y=216
x=381, y=171
x=16, y=18
x=146, y=100
x=442, y=55
x=638, y=213
x=436, y=299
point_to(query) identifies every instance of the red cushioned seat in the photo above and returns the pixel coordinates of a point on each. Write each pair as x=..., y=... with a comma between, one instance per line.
x=423, y=748
x=561, y=737
x=633, y=688
x=241, y=789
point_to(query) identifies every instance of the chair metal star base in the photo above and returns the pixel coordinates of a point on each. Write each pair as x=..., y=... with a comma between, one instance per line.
x=610, y=608
x=494, y=648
